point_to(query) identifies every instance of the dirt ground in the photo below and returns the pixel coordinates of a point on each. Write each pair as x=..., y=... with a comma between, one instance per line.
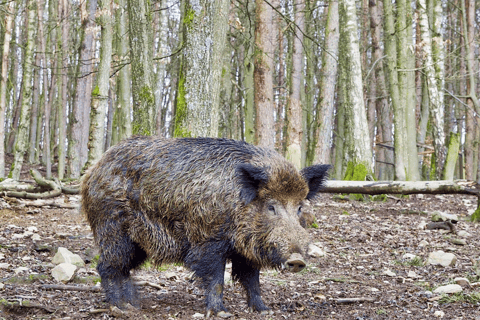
x=365, y=243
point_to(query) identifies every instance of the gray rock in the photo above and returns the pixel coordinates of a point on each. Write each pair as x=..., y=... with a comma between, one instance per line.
x=449, y=288
x=315, y=251
x=463, y=234
x=441, y=258
x=64, y=272
x=464, y=282
x=63, y=255
x=443, y=216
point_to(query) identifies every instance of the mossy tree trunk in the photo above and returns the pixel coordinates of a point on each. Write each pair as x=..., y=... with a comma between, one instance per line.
x=8, y=26
x=100, y=92
x=141, y=58
x=357, y=149
x=205, y=25
x=21, y=140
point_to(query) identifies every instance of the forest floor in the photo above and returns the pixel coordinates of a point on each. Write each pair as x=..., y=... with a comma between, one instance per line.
x=365, y=243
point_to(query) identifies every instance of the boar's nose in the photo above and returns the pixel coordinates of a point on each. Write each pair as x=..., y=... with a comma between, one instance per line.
x=295, y=263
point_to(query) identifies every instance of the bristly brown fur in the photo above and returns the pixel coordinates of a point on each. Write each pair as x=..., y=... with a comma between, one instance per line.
x=199, y=201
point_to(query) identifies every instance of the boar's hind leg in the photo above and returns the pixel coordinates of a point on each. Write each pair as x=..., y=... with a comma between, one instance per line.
x=119, y=254
x=249, y=277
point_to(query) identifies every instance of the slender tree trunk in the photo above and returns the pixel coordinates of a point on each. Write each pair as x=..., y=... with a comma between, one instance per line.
x=62, y=101
x=100, y=92
x=436, y=110
x=32, y=148
x=77, y=147
x=161, y=66
x=326, y=100
x=263, y=75
x=294, y=111
x=141, y=57
x=8, y=26
x=122, y=114
x=22, y=134
x=357, y=139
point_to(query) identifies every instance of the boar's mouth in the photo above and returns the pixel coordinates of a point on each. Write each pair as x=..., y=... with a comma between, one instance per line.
x=295, y=263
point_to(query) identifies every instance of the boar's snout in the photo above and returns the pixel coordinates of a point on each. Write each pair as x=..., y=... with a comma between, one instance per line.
x=295, y=262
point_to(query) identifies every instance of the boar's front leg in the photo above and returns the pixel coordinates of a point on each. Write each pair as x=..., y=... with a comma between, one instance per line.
x=208, y=263
x=249, y=277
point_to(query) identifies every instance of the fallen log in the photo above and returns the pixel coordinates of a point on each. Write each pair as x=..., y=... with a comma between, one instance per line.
x=402, y=187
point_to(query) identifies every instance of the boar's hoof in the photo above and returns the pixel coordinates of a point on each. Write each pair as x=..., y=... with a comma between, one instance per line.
x=295, y=263
x=221, y=314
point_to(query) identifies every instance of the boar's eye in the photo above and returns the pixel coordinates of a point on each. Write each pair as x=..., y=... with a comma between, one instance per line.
x=271, y=209
x=299, y=210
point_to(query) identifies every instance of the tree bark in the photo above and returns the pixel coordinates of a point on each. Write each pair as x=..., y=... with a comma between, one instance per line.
x=100, y=92
x=263, y=75
x=357, y=141
x=327, y=84
x=79, y=119
x=294, y=111
x=8, y=27
x=141, y=57
x=22, y=134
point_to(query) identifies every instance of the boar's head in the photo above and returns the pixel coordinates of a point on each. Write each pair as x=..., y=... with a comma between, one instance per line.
x=268, y=230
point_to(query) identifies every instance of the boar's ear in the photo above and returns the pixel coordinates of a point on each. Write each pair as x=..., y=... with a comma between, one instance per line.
x=315, y=176
x=251, y=178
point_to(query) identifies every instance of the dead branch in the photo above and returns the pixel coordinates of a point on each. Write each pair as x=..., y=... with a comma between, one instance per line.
x=354, y=300
x=71, y=287
x=44, y=203
x=26, y=304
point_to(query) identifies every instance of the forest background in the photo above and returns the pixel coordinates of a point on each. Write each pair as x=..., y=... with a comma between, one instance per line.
x=383, y=89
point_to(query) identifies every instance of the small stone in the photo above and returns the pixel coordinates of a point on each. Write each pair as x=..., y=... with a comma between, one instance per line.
x=439, y=314
x=32, y=229
x=475, y=284
x=2, y=286
x=64, y=272
x=408, y=256
x=464, y=282
x=4, y=265
x=2, y=256
x=463, y=234
x=422, y=225
x=443, y=216
x=315, y=252
x=441, y=258
x=459, y=242
x=198, y=315
x=63, y=255
x=20, y=269
x=423, y=243
x=18, y=236
x=223, y=314
x=450, y=288
x=374, y=289
x=389, y=273
x=170, y=275
x=36, y=237
x=411, y=274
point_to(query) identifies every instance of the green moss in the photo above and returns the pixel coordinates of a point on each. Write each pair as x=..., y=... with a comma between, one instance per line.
x=476, y=215
x=181, y=110
x=96, y=91
x=379, y=197
x=189, y=16
x=356, y=172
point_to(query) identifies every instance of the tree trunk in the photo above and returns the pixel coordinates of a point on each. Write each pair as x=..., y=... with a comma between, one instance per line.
x=327, y=82
x=22, y=133
x=436, y=110
x=8, y=27
x=200, y=77
x=100, y=92
x=62, y=101
x=357, y=140
x=79, y=119
x=122, y=114
x=141, y=58
x=294, y=111
x=263, y=75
